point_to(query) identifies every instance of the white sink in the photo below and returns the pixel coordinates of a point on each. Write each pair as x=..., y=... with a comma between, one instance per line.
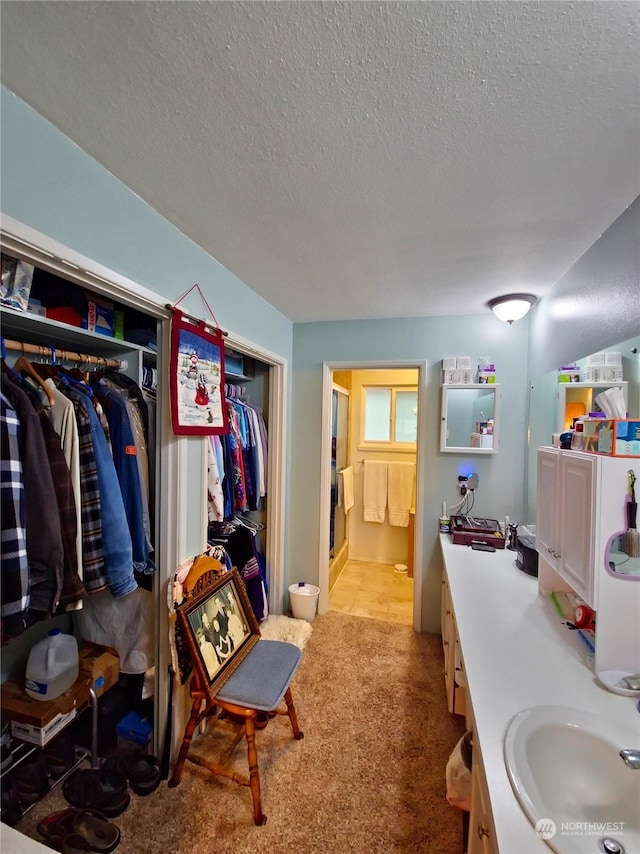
x=566, y=772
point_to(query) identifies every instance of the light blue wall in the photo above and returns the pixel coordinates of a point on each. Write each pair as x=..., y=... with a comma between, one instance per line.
x=51, y=185
x=501, y=488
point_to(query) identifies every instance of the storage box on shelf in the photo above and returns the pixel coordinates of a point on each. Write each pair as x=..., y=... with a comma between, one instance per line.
x=101, y=664
x=38, y=721
x=617, y=437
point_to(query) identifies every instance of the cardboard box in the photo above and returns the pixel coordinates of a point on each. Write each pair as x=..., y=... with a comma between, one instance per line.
x=603, y=374
x=615, y=437
x=100, y=664
x=99, y=318
x=569, y=374
x=118, y=324
x=38, y=721
x=457, y=377
x=41, y=735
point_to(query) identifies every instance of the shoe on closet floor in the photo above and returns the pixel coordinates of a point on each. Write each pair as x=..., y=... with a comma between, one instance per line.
x=97, y=789
x=140, y=769
x=60, y=755
x=31, y=779
x=79, y=830
x=11, y=811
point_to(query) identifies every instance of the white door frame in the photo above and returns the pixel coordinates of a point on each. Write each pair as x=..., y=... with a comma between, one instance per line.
x=325, y=475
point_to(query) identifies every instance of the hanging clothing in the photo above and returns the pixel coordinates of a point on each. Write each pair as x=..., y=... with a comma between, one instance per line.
x=125, y=623
x=63, y=418
x=240, y=545
x=125, y=452
x=116, y=540
x=215, y=496
x=43, y=535
x=14, y=565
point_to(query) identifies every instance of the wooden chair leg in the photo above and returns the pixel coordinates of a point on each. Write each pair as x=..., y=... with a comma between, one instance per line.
x=254, y=777
x=186, y=742
x=291, y=711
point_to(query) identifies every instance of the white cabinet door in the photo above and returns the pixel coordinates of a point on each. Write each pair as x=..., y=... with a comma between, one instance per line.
x=482, y=834
x=548, y=505
x=577, y=521
x=565, y=532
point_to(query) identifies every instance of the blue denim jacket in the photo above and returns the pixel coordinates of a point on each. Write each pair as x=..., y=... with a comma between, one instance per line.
x=126, y=464
x=116, y=540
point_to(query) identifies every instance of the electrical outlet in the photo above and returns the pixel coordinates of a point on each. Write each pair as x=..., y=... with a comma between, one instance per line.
x=462, y=483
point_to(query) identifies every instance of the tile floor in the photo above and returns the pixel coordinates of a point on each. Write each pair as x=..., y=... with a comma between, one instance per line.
x=373, y=590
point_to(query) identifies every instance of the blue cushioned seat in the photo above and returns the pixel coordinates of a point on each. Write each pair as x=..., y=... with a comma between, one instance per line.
x=262, y=678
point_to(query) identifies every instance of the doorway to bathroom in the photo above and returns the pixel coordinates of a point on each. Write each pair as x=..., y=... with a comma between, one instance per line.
x=370, y=559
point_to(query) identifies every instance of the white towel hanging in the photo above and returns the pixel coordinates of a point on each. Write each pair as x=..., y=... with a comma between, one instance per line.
x=346, y=478
x=401, y=487
x=374, y=491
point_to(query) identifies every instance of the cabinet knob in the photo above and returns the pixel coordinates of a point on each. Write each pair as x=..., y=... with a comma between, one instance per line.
x=482, y=831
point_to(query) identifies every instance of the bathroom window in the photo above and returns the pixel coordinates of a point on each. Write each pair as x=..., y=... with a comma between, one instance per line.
x=390, y=417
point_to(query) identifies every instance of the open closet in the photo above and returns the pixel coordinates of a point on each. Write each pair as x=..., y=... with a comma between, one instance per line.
x=86, y=361
x=237, y=501
x=128, y=356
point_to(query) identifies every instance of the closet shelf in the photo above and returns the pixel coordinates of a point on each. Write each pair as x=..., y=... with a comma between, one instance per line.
x=47, y=333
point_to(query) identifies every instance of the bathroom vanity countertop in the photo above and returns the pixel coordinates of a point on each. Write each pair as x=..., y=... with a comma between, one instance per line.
x=516, y=655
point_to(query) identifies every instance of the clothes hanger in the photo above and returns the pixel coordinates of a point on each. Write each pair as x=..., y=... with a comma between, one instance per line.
x=6, y=368
x=24, y=366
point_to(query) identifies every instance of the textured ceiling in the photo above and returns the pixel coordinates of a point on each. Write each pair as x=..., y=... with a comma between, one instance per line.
x=353, y=159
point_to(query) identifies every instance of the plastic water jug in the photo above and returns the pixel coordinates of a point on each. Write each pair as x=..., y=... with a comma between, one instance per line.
x=52, y=667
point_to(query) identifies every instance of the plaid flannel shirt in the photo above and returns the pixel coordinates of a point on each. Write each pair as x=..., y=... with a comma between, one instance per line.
x=14, y=567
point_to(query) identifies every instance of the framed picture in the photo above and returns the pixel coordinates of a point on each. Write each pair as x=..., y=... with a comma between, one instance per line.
x=197, y=378
x=219, y=628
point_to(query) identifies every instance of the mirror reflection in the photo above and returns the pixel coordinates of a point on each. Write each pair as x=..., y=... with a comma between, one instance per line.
x=620, y=559
x=544, y=407
x=470, y=418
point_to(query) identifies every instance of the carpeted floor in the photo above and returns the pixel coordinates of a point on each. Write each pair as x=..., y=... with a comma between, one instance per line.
x=369, y=775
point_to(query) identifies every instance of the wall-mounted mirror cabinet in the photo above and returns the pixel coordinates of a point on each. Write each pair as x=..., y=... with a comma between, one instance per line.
x=470, y=419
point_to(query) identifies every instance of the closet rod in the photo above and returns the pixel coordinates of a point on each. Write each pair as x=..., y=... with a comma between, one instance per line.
x=66, y=355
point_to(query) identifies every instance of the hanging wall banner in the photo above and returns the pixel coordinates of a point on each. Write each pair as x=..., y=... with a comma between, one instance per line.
x=197, y=378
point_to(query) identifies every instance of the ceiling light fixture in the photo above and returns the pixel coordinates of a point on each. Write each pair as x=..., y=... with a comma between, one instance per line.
x=512, y=306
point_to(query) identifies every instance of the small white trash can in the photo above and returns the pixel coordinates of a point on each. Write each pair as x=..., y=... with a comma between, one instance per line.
x=304, y=600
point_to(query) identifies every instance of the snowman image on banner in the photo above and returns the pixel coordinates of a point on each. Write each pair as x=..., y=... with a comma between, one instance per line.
x=191, y=380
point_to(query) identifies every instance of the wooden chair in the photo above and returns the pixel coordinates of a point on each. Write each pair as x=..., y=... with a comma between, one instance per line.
x=259, y=684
